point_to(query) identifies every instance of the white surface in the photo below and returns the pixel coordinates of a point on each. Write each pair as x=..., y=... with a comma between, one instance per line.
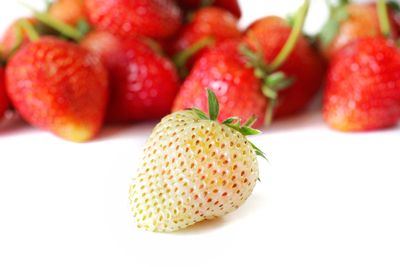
x=326, y=199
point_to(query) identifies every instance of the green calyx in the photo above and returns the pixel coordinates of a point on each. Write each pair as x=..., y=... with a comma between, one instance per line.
x=274, y=81
x=232, y=122
x=64, y=29
x=383, y=17
x=338, y=14
x=180, y=59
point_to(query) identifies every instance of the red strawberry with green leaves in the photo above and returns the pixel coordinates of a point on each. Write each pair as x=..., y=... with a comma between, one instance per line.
x=363, y=86
x=3, y=95
x=60, y=87
x=259, y=85
x=352, y=21
x=124, y=18
x=224, y=70
x=230, y=5
x=302, y=66
x=71, y=12
x=208, y=26
x=143, y=83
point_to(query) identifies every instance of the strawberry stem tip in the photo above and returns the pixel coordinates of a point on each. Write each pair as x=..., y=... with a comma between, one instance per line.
x=293, y=37
x=63, y=28
x=232, y=122
x=180, y=59
x=383, y=18
x=29, y=29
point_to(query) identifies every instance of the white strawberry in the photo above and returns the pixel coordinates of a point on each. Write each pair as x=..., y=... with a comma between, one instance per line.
x=193, y=169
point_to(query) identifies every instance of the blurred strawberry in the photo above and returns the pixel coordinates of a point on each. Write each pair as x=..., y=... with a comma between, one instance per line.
x=349, y=22
x=230, y=5
x=303, y=67
x=60, y=87
x=209, y=25
x=68, y=11
x=124, y=18
x=224, y=70
x=3, y=96
x=363, y=86
x=143, y=83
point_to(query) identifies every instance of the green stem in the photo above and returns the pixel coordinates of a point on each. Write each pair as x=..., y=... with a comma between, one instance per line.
x=29, y=29
x=270, y=112
x=63, y=28
x=181, y=58
x=293, y=37
x=383, y=16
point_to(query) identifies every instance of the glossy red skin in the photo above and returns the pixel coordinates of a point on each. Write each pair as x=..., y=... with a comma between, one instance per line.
x=124, y=18
x=230, y=5
x=304, y=64
x=212, y=22
x=223, y=69
x=143, y=84
x=3, y=95
x=363, y=86
x=54, y=84
x=68, y=11
x=362, y=21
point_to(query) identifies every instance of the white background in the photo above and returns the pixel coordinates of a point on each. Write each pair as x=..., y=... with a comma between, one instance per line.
x=326, y=198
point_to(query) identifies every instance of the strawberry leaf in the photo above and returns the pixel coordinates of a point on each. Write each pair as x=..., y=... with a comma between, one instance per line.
x=250, y=121
x=249, y=131
x=200, y=114
x=213, y=106
x=230, y=120
x=394, y=5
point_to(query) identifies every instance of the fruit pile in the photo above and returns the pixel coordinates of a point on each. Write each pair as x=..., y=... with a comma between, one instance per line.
x=83, y=63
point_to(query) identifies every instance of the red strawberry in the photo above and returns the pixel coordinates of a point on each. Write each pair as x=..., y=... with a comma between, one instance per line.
x=223, y=70
x=363, y=86
x=60, y=87
x=124, y=18
x=210, y=22
x=68, y=11
x=350, y=22
x=143, y=83
x=303, y=65
x=3, y=96
x=230, y=5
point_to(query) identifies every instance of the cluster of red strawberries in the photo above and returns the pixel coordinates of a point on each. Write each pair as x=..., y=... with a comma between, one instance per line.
x=82, y=63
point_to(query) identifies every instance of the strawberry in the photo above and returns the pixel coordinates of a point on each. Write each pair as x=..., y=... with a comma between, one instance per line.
x=143, y=83
x=231, y=5
x=193, y=169
x=68, y=11
x=303, y=66
x=124, y=18
x=60, y=87
x=349, y=22
x=211, y=23
x=294, y=66
x=3, y=96
x=223, y=69
x=363, y=86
